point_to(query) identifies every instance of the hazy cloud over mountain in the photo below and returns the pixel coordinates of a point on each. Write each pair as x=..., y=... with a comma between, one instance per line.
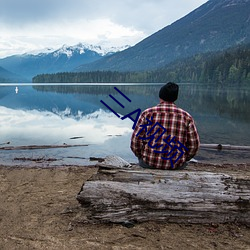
x=32, y=24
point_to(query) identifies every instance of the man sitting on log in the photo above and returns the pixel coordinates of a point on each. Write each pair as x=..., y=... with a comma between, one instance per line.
x=165, y=136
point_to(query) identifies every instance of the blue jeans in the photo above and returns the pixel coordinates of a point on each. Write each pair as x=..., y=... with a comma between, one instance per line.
x=145, y=165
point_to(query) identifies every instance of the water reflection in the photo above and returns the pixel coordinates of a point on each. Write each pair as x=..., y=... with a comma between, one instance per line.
x=29, y=127
x=52, y=114
x=225, y=101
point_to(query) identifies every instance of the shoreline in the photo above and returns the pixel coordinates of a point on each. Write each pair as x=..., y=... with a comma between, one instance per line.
x=194, y=166
x=51, y=157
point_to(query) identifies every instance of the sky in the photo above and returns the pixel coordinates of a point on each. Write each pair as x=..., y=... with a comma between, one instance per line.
x=33, y=25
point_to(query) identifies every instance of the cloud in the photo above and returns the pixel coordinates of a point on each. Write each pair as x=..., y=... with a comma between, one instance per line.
x=140, y=14
x=22, y=12
x=38, y=36
x=30, y=24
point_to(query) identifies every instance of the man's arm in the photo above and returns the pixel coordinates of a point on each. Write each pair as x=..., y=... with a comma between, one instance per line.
x=136, y=143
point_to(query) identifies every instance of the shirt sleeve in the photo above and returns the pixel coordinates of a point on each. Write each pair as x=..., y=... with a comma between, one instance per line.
x=193, y=140
x=136, y=143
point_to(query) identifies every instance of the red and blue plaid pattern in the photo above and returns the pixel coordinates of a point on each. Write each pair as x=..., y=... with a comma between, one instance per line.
x=165, y=136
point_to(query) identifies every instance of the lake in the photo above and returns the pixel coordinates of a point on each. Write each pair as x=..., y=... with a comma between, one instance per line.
x=72, y=114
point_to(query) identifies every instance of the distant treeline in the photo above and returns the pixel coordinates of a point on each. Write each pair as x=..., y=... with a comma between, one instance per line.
x=230, y=66
x=91, y=77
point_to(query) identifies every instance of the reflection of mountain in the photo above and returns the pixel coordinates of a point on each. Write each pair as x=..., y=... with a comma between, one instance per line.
x=4, y=91
x=232, y=102
x=222, y=115
x=195, y=99
x=98, y=89
x=28, y=99
x=48, y=127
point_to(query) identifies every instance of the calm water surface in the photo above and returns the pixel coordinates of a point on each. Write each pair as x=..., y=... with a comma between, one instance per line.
x=73, y=114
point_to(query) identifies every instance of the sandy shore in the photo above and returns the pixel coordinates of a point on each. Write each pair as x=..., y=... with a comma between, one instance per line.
x=38, y=210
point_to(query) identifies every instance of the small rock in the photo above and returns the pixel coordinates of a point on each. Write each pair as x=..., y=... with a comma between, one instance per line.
x=128, y=224
x=70, y=227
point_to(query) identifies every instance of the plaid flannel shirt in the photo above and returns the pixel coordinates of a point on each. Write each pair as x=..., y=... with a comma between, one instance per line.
x=179, y=126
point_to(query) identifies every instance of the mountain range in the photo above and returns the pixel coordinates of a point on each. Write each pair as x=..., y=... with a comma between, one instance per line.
x=64, y=59
x=7, y=76
x=214, y=26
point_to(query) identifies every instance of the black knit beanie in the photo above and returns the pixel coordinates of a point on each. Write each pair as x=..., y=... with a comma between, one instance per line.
x=169, y=92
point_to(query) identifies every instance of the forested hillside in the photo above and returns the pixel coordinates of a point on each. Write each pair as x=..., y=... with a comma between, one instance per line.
x=214, y=26
x=229, y=66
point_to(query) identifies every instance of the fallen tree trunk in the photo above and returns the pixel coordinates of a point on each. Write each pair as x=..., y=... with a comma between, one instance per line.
x=29, y=147
x=120, y=195
x=224, y=147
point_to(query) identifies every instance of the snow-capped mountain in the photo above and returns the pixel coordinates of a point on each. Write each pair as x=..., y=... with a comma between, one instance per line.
x=64, y=59
x=81, y=48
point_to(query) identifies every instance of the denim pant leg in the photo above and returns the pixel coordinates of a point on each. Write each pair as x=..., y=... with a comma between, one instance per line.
x=184, y=166
x=143, y=164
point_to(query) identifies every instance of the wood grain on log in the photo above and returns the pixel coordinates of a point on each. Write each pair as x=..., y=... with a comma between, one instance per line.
x=119, y=195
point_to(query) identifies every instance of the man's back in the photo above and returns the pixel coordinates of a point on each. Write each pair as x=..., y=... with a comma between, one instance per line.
x=165, y=136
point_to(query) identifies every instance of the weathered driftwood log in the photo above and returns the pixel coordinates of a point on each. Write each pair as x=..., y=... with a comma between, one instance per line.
x=119, y=195
x=224, y=147
x=29, y=147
